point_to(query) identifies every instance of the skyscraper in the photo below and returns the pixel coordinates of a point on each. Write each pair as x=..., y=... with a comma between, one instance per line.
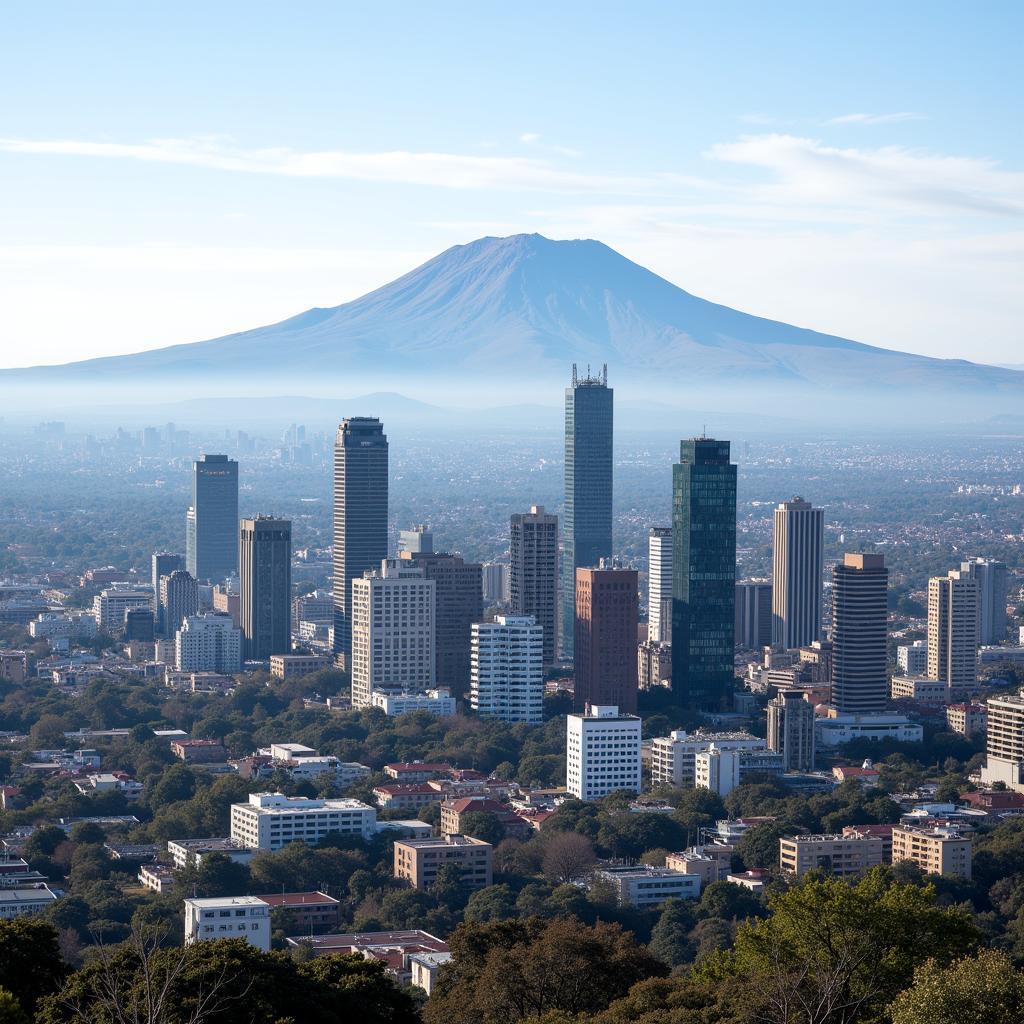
x=953, y=631
x=753, y=614
x=797, y=574
x=993, y=584
x=392, y=613
x=703, y=573
x=587, y=524
x=860, y=586
x=211, y=536
x=533, y=573
x=360, y=515
x=179, y=598
x=163, y=564
x=265, y=586
x=458, y=603
x=507, y=679
x=605, y=666
x=791, y=730
x=659, y=584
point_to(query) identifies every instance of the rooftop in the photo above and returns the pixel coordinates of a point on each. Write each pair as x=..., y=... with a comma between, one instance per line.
x=227, y=901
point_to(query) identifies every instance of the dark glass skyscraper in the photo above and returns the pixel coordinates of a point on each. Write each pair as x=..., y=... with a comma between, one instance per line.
x=163, y=564
x=265, y=584
x=212, y=521
x=587, y=523
x=360, y=515
x=703, y=573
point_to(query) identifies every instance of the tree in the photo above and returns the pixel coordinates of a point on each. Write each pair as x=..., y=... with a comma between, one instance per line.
x=219, y=875
x=10, y=1009
x=567, y=857
x=985, y=989
x=513, y=970
x=482, y=825
x=729, y=901
x=88, y=833
x=495, y=903
x=831, y=953
x=670, y=938
x=759, y=846
x=30, y=962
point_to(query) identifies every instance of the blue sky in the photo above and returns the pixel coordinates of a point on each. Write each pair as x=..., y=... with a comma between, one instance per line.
x=174, y=172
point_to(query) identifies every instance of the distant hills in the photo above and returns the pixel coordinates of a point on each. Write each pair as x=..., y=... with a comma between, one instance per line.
x=520, y=310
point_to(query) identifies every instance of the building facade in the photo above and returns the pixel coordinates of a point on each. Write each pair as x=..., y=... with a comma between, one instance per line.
x=659, y=584
x=208, y=643
x=753, y=614
x=936, y=851
x=265, y=586
x=703, y=573
x=587, y=525
x=417, y=861
x=840, y=855
x=602, y=752
x=179, y=598
x=507, y=669
x=993, y=585
x=533, y=573
x=674, y=757
x=953, y=619
x=228, y=917
x=163, y=563
x=605, y=667
x=791, y=730
x=653, y=664
x=797, y=575
x=860, y=586
x=272, y=820
x=360, y=516
x=211, y=525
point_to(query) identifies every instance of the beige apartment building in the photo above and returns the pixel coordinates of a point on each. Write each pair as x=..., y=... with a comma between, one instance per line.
x=842, y=856
x=953, y=631
x=418, y=861
x=936, y=851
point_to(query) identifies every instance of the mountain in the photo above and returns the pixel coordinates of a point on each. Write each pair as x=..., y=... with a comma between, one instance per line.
x=518, y=310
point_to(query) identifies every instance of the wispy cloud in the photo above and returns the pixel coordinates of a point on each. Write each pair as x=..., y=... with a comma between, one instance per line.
x=529, y=138
x=442, y=170
x=870, y=119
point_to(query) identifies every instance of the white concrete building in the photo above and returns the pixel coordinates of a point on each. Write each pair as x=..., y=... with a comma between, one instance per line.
x=674, y=757
x=228, y=917
x=659, y=584
x=272, y=820
x=717, y=770
x=438, y=701
x=1004, y=742
x=193, y=851
x=208, y=643
x=507, y=669
x=393, y=614
x=836, y=730
x=602, y=752
x=109, y=605
x=645, y=886
x=993, y=590
x=953, y=623
x=72, y=625
x=16, y=902
x=912, y=659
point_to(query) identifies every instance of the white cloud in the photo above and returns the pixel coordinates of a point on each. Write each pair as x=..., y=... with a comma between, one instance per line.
x=871, y=119
x=529, y=138
x=442, y=170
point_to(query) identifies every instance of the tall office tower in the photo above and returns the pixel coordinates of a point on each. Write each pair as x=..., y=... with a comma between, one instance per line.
x=418, y=540
x=953, y=631
x=753, y=614
x=265, y=586
x=993, y=586
x=791, y=730
x=533, y=573
x=507, y=677
x=659, y=584
x=458, y=603
x=797, y=574
x=179, y=598
x=212, y=520
x=496, y=583
x=605, y=666
x=163, y=564
x=860, y=585
x=392, y=631
x=587, y=524
x=360, y=515
x=703, y=573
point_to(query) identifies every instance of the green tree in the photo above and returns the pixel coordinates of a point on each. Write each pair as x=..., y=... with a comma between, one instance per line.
x=10, y=1009
x=482, y=825
x=759, y=846
x=495, y=903
x=30, y=962
x=670, y=938
x=219, y=875
x=985, y=989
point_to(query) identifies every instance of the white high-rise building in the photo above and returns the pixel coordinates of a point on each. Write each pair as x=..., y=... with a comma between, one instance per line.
x=912, y=659
x=110, y=605
x=674, y=757
x=272, y=820
x=953, y=631
x=1004, y=741
x=993, y=586
x=718, y=770
x=393, y=613
x=208, y=643
x=602, y=752
x=659, y=584
x=791, y=730
x=507, y=669
x=797, y=574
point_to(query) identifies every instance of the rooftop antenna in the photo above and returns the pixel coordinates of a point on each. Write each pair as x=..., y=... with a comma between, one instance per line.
x=574, y=375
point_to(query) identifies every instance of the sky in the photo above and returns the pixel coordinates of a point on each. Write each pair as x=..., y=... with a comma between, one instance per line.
x=174, y=172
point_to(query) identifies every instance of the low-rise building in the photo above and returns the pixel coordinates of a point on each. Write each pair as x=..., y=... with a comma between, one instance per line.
x=288, y=666
x=417, y=861
x=838, y=728
x=438, y=701
x=936, y=851
x=424, y=968
x=311, y=913
x=157, y=877
x=921, y=689
x=272, y=820
x=406, y=796
x=842, y=856
x=417, y=771
x=199, y=751
x=712, y=862
x=24, y=902
x=453, y=813
x=394, y=950
x=228, y=917
x=883, y=832
x=969, y=720
x=194, y=851
x=642, y=885
x=755, y=879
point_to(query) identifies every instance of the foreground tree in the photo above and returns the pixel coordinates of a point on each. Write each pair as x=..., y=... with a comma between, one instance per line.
x=985, y=989
x=514, y=970
x=30, y=962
